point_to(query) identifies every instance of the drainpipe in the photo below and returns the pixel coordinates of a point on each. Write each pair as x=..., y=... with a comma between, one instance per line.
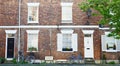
x=50, y=30
x=19, y=17
x=50, y=42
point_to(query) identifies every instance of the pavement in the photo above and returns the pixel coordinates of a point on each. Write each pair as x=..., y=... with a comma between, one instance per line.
x=59, y=64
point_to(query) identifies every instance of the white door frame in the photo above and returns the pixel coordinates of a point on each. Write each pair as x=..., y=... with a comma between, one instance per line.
x=9, y=32
x=91, y=42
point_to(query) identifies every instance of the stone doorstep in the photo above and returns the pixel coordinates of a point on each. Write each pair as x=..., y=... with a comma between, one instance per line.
x=37, y=61
x=100, y=61
x=116, y=61
x=61, y=61
x=97, y=61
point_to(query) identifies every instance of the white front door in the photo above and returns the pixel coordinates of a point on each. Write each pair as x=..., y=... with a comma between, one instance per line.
x=88, y=46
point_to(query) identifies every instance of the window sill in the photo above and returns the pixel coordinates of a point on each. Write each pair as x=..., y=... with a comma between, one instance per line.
x=33, y=22
x=32, y=51
x=9, y=58
x=67, y=51
x=66, y=21
x=111, y=50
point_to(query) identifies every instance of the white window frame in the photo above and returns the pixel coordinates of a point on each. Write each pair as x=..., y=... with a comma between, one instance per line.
x=89, y=32
x=65, y=5
x=74, y=43
x=63, y=46
x=9, y=32
x=67, y=31
x=33, y=5
x=115, y=41
x=32, y=32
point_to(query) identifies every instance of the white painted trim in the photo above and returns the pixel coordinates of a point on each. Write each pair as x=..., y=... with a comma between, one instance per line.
x=107, y=28
x=32, y=22
x=33, y=4
x=9, y=26
x=88, y=31
x=32, y=51
x=106, y=33
x=67, y=21
x=77, y=26
x=32, y=31
x=52, y=26
x=66, y=4
x=104, y=28
x=111, y=50
x=6, y=47
x=10, y=31
x=9, y=58
x=66, y=31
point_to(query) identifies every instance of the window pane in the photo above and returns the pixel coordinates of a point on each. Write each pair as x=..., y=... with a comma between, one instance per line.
x=67, y=13
x=33, y=41
x=87, y=35
x=67, y=42
x=110, y=43
x=32, y=14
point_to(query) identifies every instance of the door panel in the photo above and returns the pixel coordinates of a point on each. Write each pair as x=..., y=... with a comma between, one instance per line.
x=88, y=46
x=10, y=47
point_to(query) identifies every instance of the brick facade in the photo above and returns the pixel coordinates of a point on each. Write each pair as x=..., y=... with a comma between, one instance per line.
x=49, y=14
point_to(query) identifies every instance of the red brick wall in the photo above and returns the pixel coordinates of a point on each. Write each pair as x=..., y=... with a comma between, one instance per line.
x=9, y=12
x=44, y=43
x=111, y=55
x=49, y=14
x=2, y=43
x=97, y=44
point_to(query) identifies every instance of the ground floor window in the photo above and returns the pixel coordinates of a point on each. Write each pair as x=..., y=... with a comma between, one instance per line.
x=32, y=40
x=110, y=44
x=67, y=41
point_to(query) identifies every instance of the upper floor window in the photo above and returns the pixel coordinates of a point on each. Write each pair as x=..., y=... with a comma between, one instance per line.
x=66, y=12
x=110, y=44
x=33, y=12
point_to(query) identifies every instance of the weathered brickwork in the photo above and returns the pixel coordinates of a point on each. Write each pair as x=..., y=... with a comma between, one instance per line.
x=49, y=14
x=2, y=43
x=9, y=12
x=112, y=55
x=46, y=49
x=97, y=44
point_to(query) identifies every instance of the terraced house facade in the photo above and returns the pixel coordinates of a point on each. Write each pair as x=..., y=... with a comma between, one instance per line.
x=55, y=28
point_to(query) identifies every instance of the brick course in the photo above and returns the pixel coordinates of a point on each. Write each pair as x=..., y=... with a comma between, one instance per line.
x=49, y=14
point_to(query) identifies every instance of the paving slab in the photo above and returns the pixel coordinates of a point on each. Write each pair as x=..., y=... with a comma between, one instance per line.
x=59, y=64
